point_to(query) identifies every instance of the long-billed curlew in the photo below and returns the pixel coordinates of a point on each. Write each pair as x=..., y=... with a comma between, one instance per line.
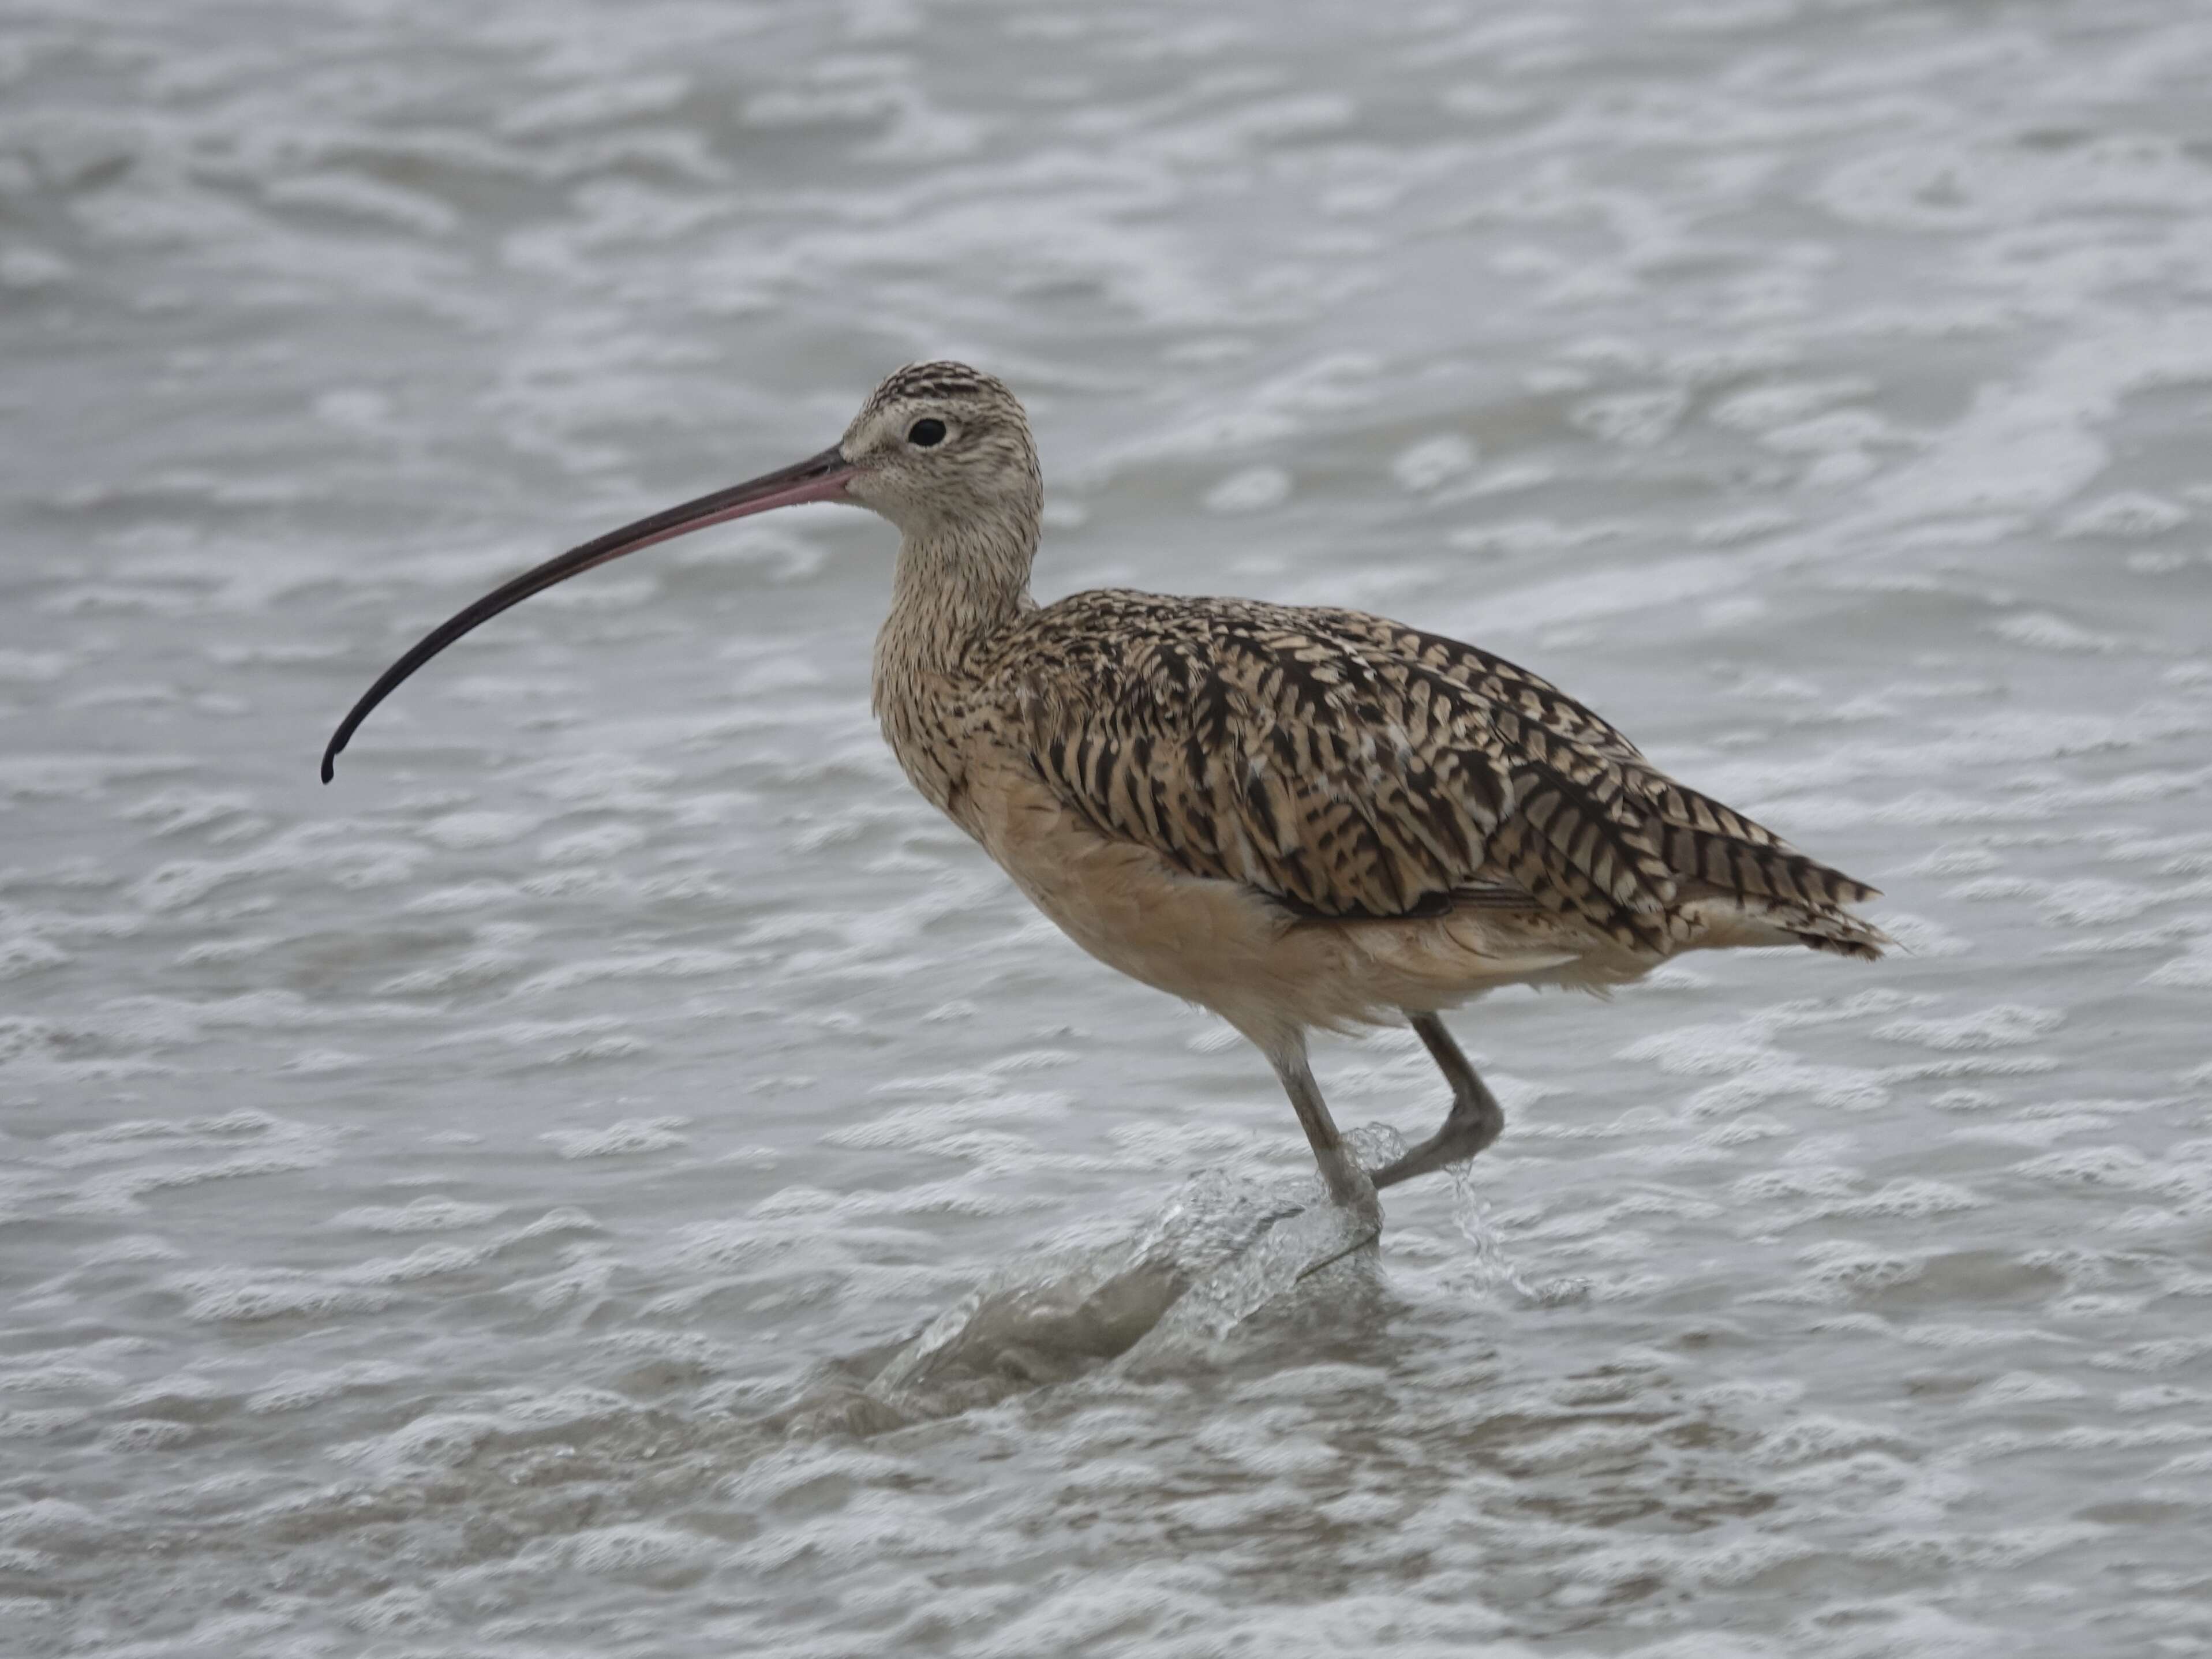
x=1296, y=816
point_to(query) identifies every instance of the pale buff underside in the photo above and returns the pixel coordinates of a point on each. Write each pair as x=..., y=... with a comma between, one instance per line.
x=1228, y=948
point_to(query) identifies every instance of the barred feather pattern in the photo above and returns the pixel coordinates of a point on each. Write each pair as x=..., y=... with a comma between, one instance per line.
x=1352, y=768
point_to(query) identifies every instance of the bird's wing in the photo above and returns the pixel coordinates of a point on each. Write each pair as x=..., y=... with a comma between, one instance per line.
x=1349, y=767
x=1570, y=769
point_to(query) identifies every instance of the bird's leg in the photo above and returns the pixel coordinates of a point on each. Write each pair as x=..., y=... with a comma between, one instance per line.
x=1347, y=1182
x=1473, y=1122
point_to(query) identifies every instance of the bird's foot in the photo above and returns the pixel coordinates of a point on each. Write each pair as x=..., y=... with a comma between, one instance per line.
x=1351, y=1221
x=1293, y=1249
x=1337, y=1244
x=1464, y=1133
x=1439, y=1151
x=1351, y=1187
x=1312, y=1234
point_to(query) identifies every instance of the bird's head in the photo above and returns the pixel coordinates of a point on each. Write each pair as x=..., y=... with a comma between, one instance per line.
x=941, y=450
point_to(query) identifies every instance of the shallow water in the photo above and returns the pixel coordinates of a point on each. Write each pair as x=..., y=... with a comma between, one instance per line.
x=614, y=1175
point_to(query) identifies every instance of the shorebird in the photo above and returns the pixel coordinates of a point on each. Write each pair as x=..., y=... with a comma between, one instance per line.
x=1299, y=816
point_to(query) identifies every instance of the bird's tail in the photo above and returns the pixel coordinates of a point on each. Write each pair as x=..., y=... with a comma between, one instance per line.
x=1738, y=917
x=1843, y=935
x=1746, y=885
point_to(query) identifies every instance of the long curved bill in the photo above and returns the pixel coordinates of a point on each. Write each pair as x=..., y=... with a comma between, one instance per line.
x=818, y=478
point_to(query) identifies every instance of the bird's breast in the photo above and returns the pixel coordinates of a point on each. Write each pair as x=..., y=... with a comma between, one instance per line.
x=926, y=722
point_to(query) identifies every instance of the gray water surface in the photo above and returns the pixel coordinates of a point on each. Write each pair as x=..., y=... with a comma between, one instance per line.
x=615, y=1174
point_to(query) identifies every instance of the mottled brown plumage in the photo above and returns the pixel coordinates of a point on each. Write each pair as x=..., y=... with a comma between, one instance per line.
x=1296, y=816
x=1350, y=768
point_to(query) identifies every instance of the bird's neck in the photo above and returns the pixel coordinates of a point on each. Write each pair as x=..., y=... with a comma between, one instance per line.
x=954, y=587
x=951, y=596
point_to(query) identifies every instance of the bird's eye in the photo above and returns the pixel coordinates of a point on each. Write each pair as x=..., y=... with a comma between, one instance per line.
x=923, y=434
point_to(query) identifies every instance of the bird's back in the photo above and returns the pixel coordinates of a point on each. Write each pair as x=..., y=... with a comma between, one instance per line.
x=1350, y=769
